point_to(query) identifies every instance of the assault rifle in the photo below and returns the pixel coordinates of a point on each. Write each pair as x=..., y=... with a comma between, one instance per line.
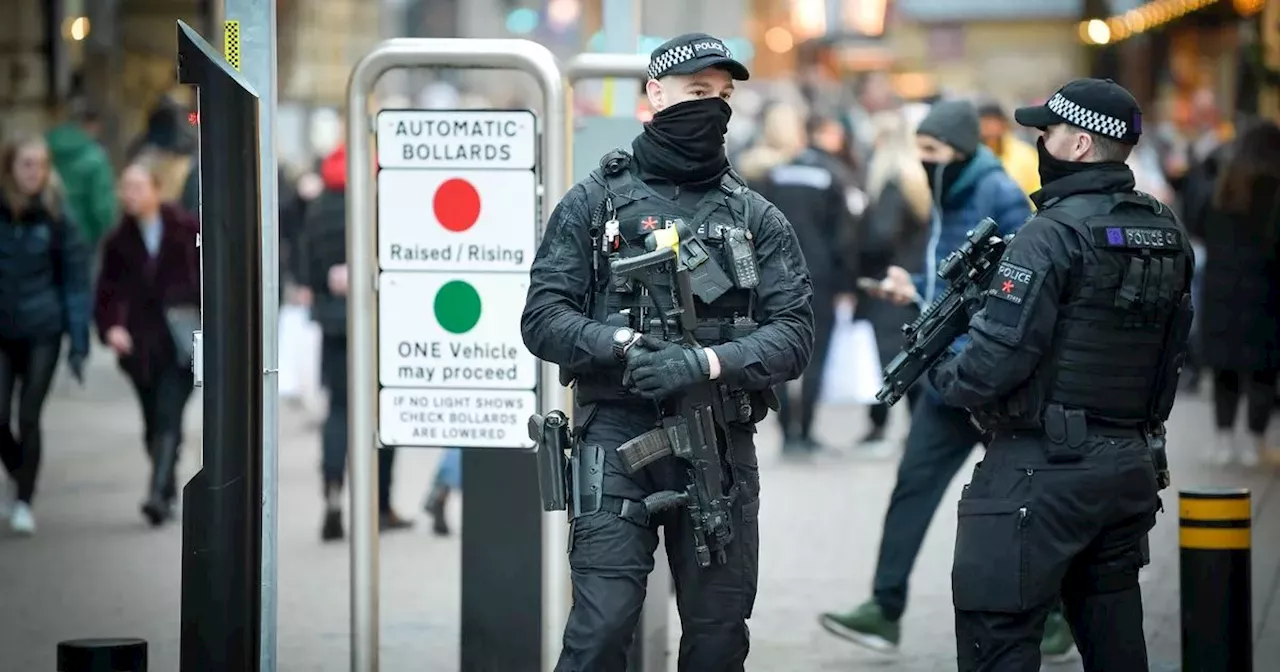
x=688, y=429
x=968, y=270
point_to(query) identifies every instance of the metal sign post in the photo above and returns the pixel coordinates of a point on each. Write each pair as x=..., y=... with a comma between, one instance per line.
x=249, y=33
x=433, y=371
x=593, y=138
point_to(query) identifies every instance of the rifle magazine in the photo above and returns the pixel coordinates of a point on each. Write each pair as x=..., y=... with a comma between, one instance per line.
x=644, y=450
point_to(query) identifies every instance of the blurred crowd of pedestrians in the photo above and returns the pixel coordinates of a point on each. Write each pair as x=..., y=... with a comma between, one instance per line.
x=86, y=248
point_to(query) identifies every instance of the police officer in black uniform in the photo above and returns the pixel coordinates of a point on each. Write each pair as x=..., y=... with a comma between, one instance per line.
x=757, y=333
x=1072, y=369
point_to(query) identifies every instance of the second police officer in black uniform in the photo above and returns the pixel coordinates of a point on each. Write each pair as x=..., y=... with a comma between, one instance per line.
x=1072, y=369
x=757, y=333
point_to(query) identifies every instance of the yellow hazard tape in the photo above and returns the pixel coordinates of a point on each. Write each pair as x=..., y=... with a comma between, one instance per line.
x=1214, y=509
x=231, y=43
x=1215, y=538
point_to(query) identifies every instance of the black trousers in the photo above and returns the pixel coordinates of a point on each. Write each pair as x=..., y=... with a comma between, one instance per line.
x=798, y=423
x=333, y=436
x=610, y=561
x=939, y=442
x=1030, y=531
x=1259, y=390
x=162, y=395
x=28, y=366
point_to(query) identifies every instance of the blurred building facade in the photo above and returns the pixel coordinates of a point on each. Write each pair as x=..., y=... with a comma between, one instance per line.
x=118, y=55
x=1173, y=52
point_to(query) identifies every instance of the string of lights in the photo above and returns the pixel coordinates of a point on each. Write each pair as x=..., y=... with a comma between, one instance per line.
x=1152, y=16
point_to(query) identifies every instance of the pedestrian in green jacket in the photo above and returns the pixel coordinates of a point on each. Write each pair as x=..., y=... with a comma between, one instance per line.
x=87, y=176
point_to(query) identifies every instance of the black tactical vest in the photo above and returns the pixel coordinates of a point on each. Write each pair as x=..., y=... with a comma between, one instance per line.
x=625, y=212
x=1115, y=339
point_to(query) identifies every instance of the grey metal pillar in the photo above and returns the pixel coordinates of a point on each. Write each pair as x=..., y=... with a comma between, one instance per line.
x=255, y=21
x=621, y=36
x=100, y=73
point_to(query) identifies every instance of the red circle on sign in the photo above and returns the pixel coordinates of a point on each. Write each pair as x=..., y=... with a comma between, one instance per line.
x=456, y=204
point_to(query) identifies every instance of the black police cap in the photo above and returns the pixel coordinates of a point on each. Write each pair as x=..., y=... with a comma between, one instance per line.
x=1096, y=105
x=694, y=52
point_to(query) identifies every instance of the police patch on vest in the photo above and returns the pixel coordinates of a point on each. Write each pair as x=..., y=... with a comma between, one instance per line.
x=1135, y=237
x=1012, y=282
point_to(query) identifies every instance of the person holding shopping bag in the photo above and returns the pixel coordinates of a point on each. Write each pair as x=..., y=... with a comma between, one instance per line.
x=148, y=303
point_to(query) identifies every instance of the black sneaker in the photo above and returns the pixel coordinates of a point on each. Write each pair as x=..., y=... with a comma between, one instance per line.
x=332, y=529
x=156, y=512
x=392, y=522
x=435, y=509
x=873, y=437
x=800, y=447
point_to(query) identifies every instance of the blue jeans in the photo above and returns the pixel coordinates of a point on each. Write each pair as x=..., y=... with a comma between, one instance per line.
x=449, y=471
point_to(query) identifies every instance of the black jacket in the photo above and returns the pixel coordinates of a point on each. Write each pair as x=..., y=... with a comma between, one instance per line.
x=1240, y=304
x=889, y=235
x=811, y=192
x=556, y=328
x=1021, y=326
x=44, y=278
x=325, y=246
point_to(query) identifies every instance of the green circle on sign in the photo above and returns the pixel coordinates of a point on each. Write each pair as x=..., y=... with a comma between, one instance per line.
x=457, y=307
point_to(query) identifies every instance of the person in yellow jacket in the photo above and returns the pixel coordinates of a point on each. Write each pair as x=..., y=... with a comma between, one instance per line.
x=1019, y=158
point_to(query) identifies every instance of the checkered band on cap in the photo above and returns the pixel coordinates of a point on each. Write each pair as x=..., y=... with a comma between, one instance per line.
x=1087, y=119
x=670, y=59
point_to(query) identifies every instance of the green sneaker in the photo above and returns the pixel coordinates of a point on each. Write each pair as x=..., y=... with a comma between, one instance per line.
x=1057, y=646
x=866, y=626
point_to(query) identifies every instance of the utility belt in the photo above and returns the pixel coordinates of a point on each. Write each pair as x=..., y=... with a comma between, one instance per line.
x=736, y=406
x=699, y=437
x=1065, y=431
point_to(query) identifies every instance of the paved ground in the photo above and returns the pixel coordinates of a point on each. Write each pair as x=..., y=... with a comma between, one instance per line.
x=96, y=570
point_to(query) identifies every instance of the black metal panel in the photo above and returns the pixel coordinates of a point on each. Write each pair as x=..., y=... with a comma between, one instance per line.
x=222, y=505
x=501, y=562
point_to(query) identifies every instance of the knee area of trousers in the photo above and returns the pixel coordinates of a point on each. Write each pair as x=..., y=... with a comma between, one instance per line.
x=608, y=633
x=711, y=644
x=28, y=424
x=1112, y=579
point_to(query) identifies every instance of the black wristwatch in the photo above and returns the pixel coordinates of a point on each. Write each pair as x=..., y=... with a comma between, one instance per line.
x=623, y=339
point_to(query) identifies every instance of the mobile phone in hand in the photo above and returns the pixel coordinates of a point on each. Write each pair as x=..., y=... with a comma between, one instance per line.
x=868, y=284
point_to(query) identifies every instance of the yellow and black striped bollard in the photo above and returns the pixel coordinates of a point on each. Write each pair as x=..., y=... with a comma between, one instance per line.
x=1214, y=571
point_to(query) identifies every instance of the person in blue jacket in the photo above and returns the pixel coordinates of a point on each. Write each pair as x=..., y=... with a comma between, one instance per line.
x=968, y=184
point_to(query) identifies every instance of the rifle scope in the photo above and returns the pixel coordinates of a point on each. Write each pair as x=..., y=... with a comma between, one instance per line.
x=958, y=263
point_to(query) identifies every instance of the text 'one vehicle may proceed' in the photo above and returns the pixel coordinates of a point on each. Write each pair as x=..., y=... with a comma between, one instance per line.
x=457, y=216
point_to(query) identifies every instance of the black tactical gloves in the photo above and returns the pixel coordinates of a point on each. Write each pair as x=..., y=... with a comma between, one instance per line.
x=657, y=369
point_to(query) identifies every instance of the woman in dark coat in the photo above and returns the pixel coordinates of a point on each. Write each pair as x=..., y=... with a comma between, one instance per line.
x=44, y=297
x=894, y=232
x=1241, y=304
x=148, y=290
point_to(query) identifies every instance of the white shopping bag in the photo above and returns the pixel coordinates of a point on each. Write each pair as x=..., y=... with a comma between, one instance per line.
x=853, y=373
x=299, y=353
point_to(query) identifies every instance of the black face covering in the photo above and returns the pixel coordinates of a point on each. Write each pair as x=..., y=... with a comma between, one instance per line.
x=942, y=176
x=1052, y=168
x=685, y=142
